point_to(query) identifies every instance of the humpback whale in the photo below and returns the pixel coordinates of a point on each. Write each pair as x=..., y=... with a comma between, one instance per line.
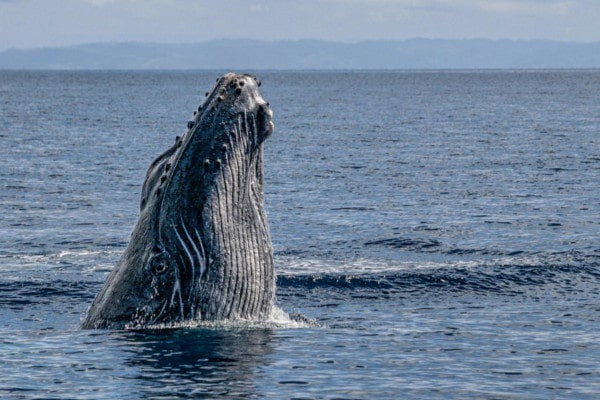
x=201, y=248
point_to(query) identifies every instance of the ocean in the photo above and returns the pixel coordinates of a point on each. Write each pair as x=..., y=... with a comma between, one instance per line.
x=439, y=231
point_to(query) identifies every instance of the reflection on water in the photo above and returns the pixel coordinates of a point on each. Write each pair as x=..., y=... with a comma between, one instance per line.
x=198, y=363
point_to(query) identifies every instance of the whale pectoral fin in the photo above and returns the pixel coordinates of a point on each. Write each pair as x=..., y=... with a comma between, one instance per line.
x=156, y=174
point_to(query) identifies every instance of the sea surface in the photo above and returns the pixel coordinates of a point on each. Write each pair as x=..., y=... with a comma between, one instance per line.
x=438, y=230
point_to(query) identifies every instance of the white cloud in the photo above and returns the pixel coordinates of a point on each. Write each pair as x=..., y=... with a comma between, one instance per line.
x=540, y=7
x=140, y=3
x=519, y=7
x=527, y=7
x=99, y=2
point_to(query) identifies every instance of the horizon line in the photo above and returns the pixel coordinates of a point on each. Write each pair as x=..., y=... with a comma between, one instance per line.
x=356, y=42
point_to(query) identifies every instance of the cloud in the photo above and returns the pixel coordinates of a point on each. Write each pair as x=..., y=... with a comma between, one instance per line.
x=99, y=3
x=539, y=7
x=141, y=3
x=531, y=7
x=516, y=7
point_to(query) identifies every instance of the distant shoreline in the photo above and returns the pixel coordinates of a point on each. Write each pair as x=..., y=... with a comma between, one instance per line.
x=307, y=71
x=301, y=55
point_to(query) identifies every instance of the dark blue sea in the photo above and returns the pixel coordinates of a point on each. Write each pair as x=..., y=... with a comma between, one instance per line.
x=439, y=230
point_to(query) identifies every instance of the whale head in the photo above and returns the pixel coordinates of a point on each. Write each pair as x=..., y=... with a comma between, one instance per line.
x=201, y=248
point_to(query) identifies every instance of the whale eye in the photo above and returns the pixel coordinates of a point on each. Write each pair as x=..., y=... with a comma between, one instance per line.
x=159, y=264
x=159, y=268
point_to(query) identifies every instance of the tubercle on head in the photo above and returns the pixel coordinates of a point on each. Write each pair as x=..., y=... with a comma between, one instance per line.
x=229, y=89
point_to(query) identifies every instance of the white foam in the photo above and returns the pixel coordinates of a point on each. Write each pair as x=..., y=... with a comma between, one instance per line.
x=278, y=319
x=293, y=266
x=89, y=260
x=304, y=266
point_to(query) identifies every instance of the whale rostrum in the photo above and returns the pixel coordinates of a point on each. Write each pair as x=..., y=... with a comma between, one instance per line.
x=201, y=248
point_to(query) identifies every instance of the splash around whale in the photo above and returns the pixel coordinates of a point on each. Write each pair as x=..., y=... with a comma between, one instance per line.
x=201, y=249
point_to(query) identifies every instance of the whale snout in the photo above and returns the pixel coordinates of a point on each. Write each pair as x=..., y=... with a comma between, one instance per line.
x=265, y=120
x=237, y=92
x=234, y=95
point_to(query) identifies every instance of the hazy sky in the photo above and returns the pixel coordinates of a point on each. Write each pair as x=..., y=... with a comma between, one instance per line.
x=39, y=23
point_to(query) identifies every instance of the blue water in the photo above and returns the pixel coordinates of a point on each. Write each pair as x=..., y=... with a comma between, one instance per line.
x=442, y=229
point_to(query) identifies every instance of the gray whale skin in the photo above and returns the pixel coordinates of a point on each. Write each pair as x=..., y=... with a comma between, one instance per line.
x=201, y=248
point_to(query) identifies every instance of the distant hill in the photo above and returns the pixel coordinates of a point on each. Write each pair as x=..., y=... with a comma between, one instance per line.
x=311, y=54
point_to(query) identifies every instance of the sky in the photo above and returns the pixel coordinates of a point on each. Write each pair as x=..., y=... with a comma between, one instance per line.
x=51, y=23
